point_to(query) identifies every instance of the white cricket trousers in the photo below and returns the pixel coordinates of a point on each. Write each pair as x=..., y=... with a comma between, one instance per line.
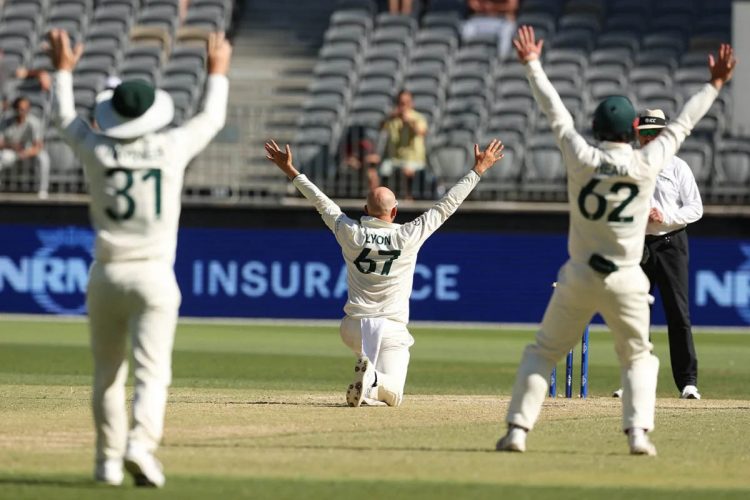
x=386, y=344
x=140, y=300
x=622, y=300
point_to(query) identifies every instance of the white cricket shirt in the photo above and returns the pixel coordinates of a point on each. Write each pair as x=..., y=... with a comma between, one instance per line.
x=135, y=185
x=610, y=186
x=380, y=257
x=677, y=198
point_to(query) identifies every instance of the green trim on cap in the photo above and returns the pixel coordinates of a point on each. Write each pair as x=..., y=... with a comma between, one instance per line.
x=133, y=98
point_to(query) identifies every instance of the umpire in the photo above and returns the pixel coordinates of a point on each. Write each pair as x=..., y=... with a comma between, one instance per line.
x=675, y=204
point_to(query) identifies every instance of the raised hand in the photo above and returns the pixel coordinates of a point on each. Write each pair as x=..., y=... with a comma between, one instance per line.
x=219, y=54
x=527, y=48
x=483, y=160
x=64, y=58
x=722, y=67
x=282, y=159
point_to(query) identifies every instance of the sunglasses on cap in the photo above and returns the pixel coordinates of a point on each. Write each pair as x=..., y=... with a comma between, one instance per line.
x=649, y=132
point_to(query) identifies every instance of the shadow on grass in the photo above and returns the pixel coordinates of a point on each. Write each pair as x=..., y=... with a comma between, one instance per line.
x=55, y=482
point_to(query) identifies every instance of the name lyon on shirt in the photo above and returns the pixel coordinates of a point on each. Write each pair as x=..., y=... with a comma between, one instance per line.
x=377, y=239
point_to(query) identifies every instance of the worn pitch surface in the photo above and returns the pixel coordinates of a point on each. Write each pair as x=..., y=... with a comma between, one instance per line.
x=258, y=411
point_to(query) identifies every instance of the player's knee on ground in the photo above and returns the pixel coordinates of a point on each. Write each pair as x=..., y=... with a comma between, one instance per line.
x=389, y=397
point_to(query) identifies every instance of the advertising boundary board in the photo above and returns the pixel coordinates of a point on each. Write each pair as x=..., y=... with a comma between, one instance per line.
x=499, y=277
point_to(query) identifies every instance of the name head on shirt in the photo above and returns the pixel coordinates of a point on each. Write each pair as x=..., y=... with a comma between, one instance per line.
x=610, y=170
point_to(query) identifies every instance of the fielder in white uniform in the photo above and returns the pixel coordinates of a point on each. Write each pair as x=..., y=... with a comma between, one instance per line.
x=135, y=173
x=380, y=258
x=610, y=189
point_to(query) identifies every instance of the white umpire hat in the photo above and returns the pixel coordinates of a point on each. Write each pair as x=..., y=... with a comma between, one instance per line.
x=652, y=118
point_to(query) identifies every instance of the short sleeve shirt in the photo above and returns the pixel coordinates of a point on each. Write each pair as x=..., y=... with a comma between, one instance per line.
x=22, y=134
x=403, y=143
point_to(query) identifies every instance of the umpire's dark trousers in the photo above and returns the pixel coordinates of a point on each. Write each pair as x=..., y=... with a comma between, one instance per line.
x=666, y=266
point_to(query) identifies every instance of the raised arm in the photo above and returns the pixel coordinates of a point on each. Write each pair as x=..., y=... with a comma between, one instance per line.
x=423, y=226
x=64, y=58
x=197, y=132
x=529, y=51
x=328, y=210
x=658, y=151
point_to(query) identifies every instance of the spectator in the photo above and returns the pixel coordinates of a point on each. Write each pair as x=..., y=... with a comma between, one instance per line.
x=405, y=130
x=21, y=142
x=358, y=152
x=400, y=7
x=492, y=17
x=6, y=73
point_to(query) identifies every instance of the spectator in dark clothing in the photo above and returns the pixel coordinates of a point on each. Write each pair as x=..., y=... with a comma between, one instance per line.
x=358, y=152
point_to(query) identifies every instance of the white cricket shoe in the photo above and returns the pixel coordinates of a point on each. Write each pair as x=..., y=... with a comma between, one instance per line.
x=639, y=443
x=359, y=389
x=514, y=440
x=690, y=392
x=144, y=467
x=617, y=393
x=109, y=472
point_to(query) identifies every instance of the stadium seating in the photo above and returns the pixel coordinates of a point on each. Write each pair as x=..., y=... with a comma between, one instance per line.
x=143, y=39
x=654, y=52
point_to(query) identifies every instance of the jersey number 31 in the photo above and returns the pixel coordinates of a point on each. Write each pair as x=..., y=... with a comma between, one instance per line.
x=124, y=191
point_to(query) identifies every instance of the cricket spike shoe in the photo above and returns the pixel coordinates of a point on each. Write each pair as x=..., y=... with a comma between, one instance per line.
x=639, y=443
x=144, y=467
x=109, y=472
x=364, y=378
x=514, y=440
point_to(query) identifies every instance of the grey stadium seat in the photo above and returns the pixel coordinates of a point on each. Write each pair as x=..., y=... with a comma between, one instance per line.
x=698, y=154
x=733, y=166
x=210, y=17
x=543, y=164
x=449, y=162
x=387, y=19
x=442, y=19
x=119, y=15
x=343, y=18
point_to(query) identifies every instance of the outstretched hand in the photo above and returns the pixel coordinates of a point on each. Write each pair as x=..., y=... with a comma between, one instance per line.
x=527, y=48
x=483, y=160
x=282, y=159
x=63, y=56
x=722, y=67
x=219, y=54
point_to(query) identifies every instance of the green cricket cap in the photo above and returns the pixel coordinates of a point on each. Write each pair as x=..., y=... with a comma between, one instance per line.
x=615, y=115
x=133, y=98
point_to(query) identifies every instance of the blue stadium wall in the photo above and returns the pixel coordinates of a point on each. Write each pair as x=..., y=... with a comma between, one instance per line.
x=284, y=263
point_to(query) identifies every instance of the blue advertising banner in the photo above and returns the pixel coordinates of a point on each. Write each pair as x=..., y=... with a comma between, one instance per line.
x=299, y=274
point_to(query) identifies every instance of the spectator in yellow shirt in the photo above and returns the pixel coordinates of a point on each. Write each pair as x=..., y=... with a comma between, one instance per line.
x=405, y=130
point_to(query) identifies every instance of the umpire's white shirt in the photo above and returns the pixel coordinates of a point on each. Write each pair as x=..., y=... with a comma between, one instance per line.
x=135, y=185
x=380, y=256
x=677, y=197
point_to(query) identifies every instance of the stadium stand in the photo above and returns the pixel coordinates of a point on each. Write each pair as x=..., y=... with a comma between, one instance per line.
x=654, y=52
x=126, y=38
x=307, y=75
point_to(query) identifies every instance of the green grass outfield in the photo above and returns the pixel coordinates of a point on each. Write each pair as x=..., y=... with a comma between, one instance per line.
x=257, y=411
